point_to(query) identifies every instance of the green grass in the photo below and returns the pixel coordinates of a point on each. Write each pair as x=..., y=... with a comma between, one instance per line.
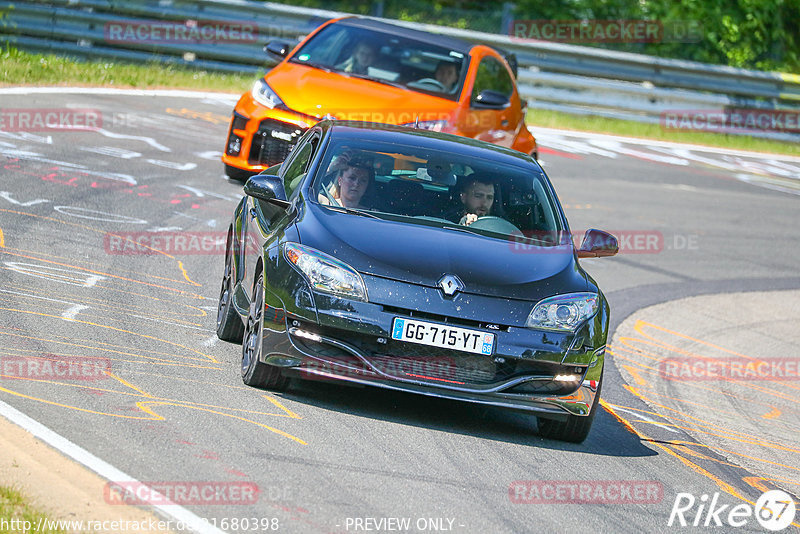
x=22, y=68
x=15, y=510
x=593, y=123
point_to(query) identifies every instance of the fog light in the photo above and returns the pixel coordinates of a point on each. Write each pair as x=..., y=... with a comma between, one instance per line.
x=234, y=145
x=566, y=378
x=307, y=335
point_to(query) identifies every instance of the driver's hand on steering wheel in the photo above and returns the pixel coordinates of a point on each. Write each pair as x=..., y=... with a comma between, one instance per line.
x=468, y=219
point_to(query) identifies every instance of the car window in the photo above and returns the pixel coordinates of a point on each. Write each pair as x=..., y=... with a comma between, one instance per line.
x=493, y=75
x=440, y=189
x=298, y=165
x=386, y=58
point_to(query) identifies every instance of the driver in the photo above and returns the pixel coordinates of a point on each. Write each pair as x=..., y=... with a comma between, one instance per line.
x=362, y=58
x=354, y=175
x=446, y=74
x=477, y=199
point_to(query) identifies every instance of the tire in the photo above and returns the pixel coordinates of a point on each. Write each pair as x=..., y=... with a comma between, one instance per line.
x=254, y=372
x=235, y=173
x=575, y=428
x=229, y=324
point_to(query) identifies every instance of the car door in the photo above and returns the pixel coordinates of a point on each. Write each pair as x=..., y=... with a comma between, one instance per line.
x=262, y=220
x=490, y=121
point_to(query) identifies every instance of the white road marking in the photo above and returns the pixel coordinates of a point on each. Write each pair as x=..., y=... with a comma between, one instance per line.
x=165, y=229
x=210, y=341
x=45, y=272
x=29, y=295
x=28, y=136
x=71, y=313
x=81, y=213
x=149, y=140
x=6, y=195
x=201, y=193
x=777, y=184
x=102, y=468
x=111, y=151
x=35, y=156
x=640, y=416
x=212, y=155
x=173, y=165
x=616, y=146
x=162, y=321
x=543, y=132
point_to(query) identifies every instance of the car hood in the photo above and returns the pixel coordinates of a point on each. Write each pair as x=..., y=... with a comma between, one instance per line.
x=318, y=93
x=422, y=255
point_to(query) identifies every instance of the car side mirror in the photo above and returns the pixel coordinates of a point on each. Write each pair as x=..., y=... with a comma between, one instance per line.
x=597, y=243
x=490, y=99
x=267, y=187
x=277, y=50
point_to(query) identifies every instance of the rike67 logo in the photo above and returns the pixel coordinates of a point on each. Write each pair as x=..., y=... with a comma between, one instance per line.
x=774, y=510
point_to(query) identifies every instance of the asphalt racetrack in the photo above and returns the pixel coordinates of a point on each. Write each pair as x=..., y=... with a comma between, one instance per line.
x=709, y=262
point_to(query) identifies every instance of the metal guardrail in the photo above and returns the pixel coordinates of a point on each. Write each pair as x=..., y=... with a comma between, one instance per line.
x=551, y=75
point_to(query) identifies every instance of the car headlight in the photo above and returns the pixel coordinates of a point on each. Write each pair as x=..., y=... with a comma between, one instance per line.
x=563, y=312
x=434, y=126
x=264, y=95
x=325, y=273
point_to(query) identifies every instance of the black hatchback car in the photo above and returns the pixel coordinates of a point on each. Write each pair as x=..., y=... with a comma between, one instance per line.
x=416, y=261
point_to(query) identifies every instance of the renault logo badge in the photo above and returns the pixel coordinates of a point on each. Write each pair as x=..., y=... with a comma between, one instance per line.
x=451, y=284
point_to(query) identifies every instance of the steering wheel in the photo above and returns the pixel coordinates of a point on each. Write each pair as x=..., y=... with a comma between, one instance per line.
x=434, y=82
x=494, y=224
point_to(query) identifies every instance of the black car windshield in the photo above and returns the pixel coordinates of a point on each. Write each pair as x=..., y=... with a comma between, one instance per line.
x=440, y=189
x=386, y=58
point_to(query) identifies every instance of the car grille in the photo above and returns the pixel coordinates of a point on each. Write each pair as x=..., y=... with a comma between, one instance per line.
x=273, y=141
x=411, y=361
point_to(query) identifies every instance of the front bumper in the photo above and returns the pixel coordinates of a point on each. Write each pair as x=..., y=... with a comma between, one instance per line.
x=258, y=141
x=363, y=353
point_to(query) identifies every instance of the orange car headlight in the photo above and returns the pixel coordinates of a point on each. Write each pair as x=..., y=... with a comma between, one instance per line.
x=264, y=95
x=441, y=125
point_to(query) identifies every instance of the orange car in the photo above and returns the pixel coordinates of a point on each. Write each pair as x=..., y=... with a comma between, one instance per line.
x=362, y=69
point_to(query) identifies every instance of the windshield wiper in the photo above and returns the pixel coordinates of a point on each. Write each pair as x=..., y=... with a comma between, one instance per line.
x=319, y=66
x=460, y=228
x=370, y=78
x=354, y=211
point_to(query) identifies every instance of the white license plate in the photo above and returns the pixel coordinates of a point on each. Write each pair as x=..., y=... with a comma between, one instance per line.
x=439, y=335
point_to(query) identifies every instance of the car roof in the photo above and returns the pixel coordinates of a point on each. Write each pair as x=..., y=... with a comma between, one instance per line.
x=452, y=43
x=454, y=144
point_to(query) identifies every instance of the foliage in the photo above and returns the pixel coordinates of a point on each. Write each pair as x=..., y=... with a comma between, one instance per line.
x=754, y=34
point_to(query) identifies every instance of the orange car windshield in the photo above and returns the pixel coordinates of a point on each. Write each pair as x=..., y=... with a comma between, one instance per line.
x=433, y=188
x=386, y=58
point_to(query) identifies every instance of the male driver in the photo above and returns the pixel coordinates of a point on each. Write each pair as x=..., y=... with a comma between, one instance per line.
x=447, y=75
x=477, y=199
x=359, y=63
